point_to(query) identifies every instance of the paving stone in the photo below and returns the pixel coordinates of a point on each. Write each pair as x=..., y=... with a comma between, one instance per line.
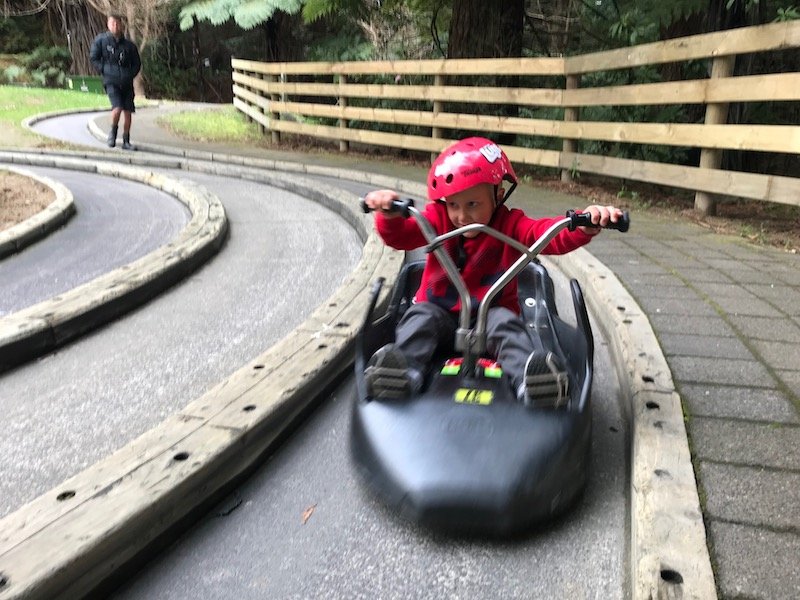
x=690, y=325
x=746, y=306
x=716, y=290
x=758, y=404
x=766, y=328
x=665, y=291
x=791, y=276
x=747, y=443
x=675, y=306
x=725, y=371
x=755, y=563
x=705, y=275
x=634, y=283
x=779, y=355
x=792, y=381
x=681, y=344
x=785, y=297
x=751, y=495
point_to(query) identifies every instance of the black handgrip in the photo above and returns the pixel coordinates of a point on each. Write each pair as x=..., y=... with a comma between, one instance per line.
x=400, y=206
x=585, y=220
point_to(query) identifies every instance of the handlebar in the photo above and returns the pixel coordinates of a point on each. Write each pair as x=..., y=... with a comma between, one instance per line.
x=402, y=206
x=472, y=340
x=585, y=220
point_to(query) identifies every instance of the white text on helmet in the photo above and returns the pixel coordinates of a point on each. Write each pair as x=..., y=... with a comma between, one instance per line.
x=491, y=152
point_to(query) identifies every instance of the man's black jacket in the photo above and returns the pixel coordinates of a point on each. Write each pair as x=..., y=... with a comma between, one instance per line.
x=117, y=60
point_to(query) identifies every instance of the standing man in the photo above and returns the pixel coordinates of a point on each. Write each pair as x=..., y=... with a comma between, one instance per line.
x=116, y=58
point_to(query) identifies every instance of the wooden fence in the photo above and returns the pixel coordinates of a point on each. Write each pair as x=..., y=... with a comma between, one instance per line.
x=360, y=102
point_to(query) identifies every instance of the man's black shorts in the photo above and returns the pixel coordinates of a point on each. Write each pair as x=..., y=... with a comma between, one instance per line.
x=121, y=97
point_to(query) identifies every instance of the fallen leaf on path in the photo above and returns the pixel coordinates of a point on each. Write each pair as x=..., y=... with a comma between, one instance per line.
x=308, y=512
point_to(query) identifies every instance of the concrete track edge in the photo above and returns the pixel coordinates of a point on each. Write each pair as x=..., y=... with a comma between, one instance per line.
x=668, y=554
x=37, y=226
x=42, y=327
x=72, y=539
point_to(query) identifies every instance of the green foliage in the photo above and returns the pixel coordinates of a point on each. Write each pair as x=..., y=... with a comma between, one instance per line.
x=790, y=13
x=314, y=10
x=163, y=79
x=246, y=13
x=15, y=74
x=341, y=48
x=216, y=125
x=48, y=65
x=20, y=34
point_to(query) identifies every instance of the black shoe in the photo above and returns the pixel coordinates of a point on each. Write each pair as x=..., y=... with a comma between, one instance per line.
x=389, y=376
x=546, y=382
x=126, y=143
x=112, y=137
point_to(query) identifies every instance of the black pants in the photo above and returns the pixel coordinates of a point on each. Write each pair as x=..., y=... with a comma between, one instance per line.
x=425, y=327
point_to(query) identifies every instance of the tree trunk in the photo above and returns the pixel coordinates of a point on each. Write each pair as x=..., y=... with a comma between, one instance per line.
x=480, y=29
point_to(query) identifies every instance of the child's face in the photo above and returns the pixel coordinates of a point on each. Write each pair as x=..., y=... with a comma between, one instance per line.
x=474, y=205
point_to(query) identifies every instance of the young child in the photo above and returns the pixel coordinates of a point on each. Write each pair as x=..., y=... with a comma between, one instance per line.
x=465, y=186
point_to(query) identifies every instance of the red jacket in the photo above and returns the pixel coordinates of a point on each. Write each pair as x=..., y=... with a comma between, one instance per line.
x=487, y=258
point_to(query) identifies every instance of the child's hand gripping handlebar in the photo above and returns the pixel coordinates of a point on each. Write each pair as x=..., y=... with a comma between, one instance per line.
x=401, y=206
x=585, y=220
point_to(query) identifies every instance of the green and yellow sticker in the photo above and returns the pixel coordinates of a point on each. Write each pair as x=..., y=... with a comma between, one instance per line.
x=474, y=396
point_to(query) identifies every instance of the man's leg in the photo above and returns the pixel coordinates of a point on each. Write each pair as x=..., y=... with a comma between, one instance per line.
x=112, y=135
x=126, y=130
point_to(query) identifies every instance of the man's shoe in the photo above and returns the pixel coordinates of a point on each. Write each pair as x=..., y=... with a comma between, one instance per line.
x=112, y=137
x=388, y=375
x=126, y=142
x=546, y=381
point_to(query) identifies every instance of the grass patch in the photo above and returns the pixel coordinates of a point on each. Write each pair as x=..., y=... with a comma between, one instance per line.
x=18, y=103
x=215, y=125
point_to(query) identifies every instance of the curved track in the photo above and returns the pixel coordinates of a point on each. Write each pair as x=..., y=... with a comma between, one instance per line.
x=76, y=405
x=256, y=544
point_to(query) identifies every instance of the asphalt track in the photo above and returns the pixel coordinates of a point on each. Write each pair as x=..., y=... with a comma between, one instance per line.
x=261, y=542
x=349, y=547
x=74, y=406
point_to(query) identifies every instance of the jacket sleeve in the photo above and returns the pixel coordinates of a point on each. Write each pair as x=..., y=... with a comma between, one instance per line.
x=96, y=54
x=404, y=234
x=529, y=230
x=136, y=62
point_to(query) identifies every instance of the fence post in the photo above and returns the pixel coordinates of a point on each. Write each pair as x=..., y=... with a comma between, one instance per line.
x=716, y=114
x=274, y=116
x=436, y=132
x=571, y=114
x=344, y=145
x=261, y=127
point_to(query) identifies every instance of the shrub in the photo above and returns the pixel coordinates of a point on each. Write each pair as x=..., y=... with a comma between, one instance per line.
x=48, y=65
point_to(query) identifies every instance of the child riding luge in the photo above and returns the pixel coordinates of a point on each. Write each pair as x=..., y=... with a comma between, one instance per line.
x=465, y=186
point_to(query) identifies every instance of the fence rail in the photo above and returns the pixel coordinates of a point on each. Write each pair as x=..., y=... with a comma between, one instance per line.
x=351, y=102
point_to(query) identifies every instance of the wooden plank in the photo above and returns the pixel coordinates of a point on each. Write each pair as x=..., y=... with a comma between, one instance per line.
x=751, y=88
x=251, y=97
x=771, y=188
x=376, y=138
x=479, y=66
x=764, y=138
x=252, y=112
x=775, y=36
x=477, y=94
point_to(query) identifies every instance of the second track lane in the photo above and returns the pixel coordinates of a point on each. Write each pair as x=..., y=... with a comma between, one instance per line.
x=284, y=256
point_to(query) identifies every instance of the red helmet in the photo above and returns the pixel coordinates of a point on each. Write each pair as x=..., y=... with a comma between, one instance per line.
x=467, y=163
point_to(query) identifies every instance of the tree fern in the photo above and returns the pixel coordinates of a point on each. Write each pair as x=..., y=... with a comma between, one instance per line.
x=246, y=13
